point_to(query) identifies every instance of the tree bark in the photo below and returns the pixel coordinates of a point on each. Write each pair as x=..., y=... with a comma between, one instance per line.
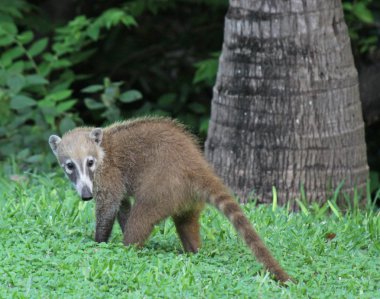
x=285, y=108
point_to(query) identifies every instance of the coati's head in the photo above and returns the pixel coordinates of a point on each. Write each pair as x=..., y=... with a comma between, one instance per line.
x=79, y=153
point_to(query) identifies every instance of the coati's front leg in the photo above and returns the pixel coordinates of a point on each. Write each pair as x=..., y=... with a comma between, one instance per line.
x=107, y=207
x=105, y=218
x=109, y=193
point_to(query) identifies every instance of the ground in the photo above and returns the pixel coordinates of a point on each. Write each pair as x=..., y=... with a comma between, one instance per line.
x=47, y=251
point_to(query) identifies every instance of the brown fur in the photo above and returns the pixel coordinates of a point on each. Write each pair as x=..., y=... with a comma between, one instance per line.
x=159, y=163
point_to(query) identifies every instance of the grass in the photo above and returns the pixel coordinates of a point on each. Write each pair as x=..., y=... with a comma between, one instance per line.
x=47, y=251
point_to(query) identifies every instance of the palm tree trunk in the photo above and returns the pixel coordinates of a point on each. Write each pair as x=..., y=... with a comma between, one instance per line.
x=286, y=109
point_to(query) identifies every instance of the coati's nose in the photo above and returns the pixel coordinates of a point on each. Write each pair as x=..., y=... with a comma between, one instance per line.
x=86, y=193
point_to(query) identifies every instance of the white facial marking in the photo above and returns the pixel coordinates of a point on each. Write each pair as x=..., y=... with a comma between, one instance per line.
x=92, y=167
x=69, y=171
x=83, y=178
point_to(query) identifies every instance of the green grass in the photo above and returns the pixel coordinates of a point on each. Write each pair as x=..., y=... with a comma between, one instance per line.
x=47, y=251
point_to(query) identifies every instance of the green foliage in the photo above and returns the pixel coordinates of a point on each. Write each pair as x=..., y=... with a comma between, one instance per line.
x=109, y=98
x=206, y=70
x=47, y=250
x=45, y=63
x=37, y=76
x=363, y=24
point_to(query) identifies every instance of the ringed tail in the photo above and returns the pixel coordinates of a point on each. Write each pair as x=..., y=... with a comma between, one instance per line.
x=231, y=209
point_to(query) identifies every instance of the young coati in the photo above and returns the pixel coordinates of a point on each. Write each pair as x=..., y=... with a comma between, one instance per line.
x=159, y=163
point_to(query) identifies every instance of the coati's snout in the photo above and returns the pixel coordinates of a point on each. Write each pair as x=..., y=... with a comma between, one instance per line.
x=79, y=153
x=86, y=194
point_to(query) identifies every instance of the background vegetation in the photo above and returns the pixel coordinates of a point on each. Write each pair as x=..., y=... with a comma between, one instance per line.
x=71, y=62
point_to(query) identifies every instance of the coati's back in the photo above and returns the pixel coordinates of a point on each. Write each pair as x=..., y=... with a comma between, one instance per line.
x=159, y=150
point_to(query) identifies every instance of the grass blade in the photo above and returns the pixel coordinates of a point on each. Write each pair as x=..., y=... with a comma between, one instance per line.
x=335, y=209
x=302, y=207
x=274, y=202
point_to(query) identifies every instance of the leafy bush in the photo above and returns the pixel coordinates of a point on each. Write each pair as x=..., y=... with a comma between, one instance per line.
x=45, y=84
x=109, y=98
x=37, y=76
x=363, y=19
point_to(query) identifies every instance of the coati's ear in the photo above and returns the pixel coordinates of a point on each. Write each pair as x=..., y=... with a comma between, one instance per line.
x=54, y=140
x=97, y=135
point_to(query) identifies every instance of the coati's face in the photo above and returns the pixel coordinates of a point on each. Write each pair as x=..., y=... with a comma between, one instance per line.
x=79, y=153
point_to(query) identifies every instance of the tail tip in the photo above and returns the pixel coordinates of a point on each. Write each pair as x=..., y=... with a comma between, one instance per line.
x=284, y=278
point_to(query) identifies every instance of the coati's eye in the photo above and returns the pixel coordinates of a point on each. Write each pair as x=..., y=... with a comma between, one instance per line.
x=90, y=162
x=70, y=165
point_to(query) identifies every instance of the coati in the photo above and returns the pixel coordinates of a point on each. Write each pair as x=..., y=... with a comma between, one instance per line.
x=159, y=163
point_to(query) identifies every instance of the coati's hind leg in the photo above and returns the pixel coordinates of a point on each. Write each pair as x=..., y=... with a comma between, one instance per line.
x=142, y=217
x=122, y=215
x=187, y=225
